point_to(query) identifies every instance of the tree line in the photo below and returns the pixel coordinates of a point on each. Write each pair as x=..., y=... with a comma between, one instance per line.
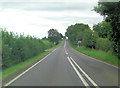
x=90, y=38
x=18, y=48
x=105, y=35
x=111, y=13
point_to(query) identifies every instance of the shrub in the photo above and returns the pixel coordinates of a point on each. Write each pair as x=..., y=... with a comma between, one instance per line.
x=19, y=48
x=104, y=44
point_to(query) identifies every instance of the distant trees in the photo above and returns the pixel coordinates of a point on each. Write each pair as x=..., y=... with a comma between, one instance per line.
x=16, y=49
x=111, y=12
x=75, y=32
x=82, y=32
x=98, y=38
x=105, y=35
x=54, y=35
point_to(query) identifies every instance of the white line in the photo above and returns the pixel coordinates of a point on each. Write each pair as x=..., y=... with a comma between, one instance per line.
x=66, y=51
x=54, y=50
x=64, y=48
x=85, y=73
x=80, y=76
x=26, y=70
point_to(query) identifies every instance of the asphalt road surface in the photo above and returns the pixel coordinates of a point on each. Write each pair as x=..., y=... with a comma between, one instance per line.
x=67, y=67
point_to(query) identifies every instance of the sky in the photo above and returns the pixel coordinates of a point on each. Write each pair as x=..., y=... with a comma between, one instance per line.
x=36, y=17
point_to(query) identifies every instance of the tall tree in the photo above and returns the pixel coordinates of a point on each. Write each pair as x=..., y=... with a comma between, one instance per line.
x=111, y=12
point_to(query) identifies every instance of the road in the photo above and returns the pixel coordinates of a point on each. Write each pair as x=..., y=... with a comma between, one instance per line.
x=67, y=67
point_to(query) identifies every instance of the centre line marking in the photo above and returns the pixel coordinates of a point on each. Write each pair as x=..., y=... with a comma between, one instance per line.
x=85, y=74
x=79, y=75
x=65, y=44
x=66, y=51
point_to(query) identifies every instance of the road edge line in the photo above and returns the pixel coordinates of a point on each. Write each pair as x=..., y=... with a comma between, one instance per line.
x=27, y=70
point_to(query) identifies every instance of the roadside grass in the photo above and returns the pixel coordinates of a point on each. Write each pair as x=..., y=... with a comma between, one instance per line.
x=55, y=46
x=13, y=69
x=101, y=55
x=46, y=42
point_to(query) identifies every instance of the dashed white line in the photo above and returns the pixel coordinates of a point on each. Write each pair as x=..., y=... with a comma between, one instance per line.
x=65, y=48
x=65, y=44
x=66, y=51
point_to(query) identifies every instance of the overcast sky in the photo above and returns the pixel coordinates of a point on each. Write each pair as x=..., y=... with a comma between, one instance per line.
x=36, y=18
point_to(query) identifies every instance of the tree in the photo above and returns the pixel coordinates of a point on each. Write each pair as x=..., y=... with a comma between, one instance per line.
x=54, y=35
x=74, y=32
x=61, y=35
x=111, y=12
x=103, y=29
x=89, y=38
x=16, y=49
x=44, y=38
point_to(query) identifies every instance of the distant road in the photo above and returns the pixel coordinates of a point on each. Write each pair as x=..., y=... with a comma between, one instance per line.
x=67, y=67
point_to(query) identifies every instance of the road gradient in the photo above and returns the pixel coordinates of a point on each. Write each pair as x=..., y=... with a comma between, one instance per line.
x=67, y=67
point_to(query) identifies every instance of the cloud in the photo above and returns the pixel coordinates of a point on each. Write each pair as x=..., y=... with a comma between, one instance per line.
x=37, y=18
x=48, y=6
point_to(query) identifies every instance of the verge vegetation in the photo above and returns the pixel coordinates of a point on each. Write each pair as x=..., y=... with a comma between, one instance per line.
x=98, y=54
x=15, y=68
x=19, y=51
x=103, y=41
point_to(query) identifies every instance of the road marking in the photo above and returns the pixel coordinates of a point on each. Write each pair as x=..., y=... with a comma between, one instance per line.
x=27, y=70
x=85, y=74
x=65, y=44
x=79, y=75
x=54, y=50
x=66, y=51
x=65, y=48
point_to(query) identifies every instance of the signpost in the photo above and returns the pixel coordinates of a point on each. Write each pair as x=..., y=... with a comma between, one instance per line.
x=79, y=42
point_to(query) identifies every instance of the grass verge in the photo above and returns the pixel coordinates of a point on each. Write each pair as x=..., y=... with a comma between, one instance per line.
x=101, y=55
x=56, y=45
x=11, y=70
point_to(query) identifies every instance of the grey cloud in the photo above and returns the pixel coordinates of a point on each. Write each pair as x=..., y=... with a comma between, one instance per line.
x=48, y=6
x=70, y=18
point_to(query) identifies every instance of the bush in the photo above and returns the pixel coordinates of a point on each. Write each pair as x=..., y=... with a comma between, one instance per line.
x=104, y=44
x=89, y=38
x=17, y=49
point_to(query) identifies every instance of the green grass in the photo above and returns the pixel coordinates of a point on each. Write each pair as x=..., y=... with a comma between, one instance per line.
x=46, y=42
x=101, y=55
x=11, y=70
x=55, y=46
